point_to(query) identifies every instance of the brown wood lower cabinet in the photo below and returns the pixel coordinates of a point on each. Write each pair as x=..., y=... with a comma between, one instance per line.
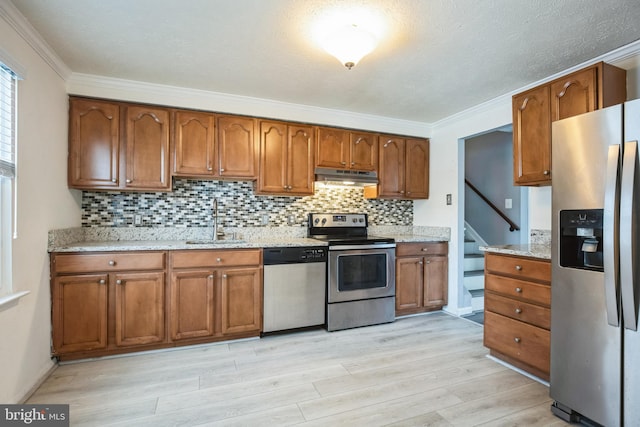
x=421, y=277
x=110, y=303
x=517, y=311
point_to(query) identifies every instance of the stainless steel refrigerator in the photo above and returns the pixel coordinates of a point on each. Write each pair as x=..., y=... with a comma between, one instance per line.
x=595, y=344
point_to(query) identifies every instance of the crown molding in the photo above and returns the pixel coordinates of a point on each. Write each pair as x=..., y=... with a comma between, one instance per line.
x=631, y=50
x=135, y=91
x=20, y=24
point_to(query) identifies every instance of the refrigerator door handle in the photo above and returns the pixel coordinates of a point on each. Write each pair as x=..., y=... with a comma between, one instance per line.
x=611, y=259
x=627, y=240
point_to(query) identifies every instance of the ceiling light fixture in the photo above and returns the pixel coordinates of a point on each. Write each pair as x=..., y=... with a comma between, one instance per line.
x=349, y=44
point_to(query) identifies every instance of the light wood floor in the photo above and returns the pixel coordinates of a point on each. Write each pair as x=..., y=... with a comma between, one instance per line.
x=429, y=370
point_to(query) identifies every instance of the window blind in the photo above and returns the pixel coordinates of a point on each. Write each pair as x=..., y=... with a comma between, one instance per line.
x=7, y=117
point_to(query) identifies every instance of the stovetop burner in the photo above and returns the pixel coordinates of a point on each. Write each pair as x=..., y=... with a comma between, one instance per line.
x=339, y=228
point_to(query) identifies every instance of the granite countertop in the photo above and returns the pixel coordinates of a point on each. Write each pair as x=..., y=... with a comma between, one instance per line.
x=132, y=239
x=532, y=250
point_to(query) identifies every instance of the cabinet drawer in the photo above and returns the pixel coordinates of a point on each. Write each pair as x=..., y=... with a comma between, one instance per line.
x=105, y=262
x=519, y=289
x=422, y=249
x=525, y=268
x=526, y=343
x=219, y=258
x=515, y=309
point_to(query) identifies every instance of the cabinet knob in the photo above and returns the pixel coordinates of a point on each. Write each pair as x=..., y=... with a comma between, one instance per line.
x=114, y=180
x=425, y=249
x=128, y=181
x=519, y=290
x=112, y=263
x=218, y=259
x=209, y=168
x=343, y=163
x=102, y=282
x=289, y=187
x=402, y=192
x=546, y=172
x=420, y=262
x=224, y=276
x=518, y=267
x=221, y=170
x=428, y=262
x=210, y=276
x=353, y=163
x=118, y=282
x=518, y=310
x=516, y=339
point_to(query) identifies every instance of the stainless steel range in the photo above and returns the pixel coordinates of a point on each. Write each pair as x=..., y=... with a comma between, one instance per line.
x=361, y=285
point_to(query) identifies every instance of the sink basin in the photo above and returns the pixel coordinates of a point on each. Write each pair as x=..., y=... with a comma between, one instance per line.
x=213, y=242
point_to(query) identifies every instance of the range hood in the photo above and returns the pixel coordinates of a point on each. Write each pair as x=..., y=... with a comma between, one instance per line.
x=346, y=177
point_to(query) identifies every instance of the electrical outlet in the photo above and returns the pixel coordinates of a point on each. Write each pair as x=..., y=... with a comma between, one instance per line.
x=264, y=219
x=508, y=203
x=448, y=199
x=291, y=220
x=137, y=219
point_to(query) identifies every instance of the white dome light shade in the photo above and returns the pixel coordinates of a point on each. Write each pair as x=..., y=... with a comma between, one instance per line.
x=349, y=44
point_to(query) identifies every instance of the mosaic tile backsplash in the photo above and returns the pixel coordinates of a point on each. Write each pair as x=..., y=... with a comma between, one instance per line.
x=190, y=205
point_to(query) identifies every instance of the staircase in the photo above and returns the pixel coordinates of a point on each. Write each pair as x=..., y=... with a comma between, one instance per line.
x=474, y=268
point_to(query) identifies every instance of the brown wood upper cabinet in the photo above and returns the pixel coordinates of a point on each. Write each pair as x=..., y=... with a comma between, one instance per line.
x=117, y=146
x=286, y=159
x=598, y=86
x=403, y=169
x=343, y=149
x=210, y=146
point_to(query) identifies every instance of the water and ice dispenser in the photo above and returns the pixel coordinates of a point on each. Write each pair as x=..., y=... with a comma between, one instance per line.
x=581, y=239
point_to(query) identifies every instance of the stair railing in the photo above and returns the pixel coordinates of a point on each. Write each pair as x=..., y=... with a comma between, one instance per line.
x=512, y=225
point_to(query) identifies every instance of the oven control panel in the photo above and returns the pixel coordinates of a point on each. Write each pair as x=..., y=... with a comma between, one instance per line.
x=338, y=220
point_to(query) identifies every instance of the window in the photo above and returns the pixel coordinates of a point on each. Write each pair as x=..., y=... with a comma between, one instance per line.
x=7, y=173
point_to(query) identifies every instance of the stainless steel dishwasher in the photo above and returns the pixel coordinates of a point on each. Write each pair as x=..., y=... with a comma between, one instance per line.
x=295, y=286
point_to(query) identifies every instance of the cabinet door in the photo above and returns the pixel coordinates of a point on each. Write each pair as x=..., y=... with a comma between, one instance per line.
x=391, y=176
x=435, y=281
x=574, y=94
x=237, y=147
x=94, y=138
x=241, y=300
x=409, y=283
x=79, y=313
x=332, y=148
x=364, y=151
x=147, y=152
x=273, y=158
x=193, y=149
x=532, y=137
x=140, y=308
x=417, y=168
x=300, y=160
x=192, y=304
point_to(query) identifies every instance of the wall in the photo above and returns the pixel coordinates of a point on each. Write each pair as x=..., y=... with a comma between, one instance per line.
x=190, y=205
x=44, y=203
x=446, y=176
x=488, y=166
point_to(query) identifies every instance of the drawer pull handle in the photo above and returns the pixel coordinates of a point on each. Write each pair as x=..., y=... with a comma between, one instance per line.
x=516, y=339
x=519, y=267
x=519, y=290
x=218, y=259
x=102, y=281
x=518, y=310
x=118, y=282
x=112, y=263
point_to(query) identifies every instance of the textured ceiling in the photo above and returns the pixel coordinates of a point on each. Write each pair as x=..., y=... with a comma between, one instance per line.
x=436, y=58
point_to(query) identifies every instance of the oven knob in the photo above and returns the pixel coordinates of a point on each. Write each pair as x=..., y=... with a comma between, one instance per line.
x=355, y=219
x=324, y=220
x=317, y=220
x=361, y=219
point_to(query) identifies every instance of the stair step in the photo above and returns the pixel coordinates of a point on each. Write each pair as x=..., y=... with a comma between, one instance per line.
x=473, y=273
x=474, y=255
x=473, y=282
x=476, y=293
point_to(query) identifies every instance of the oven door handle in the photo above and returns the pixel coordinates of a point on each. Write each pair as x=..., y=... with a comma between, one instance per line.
x=361, y=247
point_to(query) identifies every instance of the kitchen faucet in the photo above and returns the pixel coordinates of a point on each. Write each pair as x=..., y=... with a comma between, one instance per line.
x=214, y=213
